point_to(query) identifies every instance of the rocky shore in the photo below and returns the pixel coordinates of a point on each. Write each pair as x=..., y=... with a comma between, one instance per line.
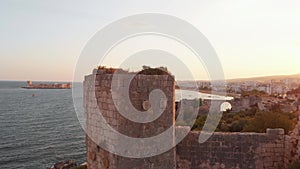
x=70, y=164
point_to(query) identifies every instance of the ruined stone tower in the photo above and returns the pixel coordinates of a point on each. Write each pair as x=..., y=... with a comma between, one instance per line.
x=98, y=99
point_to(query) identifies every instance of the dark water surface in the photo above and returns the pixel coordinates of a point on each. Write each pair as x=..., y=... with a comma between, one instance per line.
x=36, y=132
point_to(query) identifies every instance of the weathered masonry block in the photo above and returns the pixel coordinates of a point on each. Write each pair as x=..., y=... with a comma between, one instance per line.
x=270, y=150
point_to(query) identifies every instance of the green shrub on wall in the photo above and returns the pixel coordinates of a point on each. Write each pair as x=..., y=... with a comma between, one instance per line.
x=264, y=120
x=295, y=165
x=250, y=121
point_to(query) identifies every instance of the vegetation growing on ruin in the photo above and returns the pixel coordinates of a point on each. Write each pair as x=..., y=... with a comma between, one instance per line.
x=250, y=121
x=146, y=70
x=154, y=71
x=107, y=70
x=254, y=92
x=294, y=91
x=295, y=165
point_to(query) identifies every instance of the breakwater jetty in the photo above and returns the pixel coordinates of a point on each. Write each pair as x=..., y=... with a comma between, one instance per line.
x=47, y=86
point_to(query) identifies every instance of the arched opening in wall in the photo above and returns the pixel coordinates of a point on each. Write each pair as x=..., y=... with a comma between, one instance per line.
x=225, y=106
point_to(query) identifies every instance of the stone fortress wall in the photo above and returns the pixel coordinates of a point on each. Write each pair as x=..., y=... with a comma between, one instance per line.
x=232, y=151
x=269, y=150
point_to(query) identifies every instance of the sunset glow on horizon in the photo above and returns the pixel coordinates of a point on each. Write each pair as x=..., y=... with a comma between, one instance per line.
x=41, y=40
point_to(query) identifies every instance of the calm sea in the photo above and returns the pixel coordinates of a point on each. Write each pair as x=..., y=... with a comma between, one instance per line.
x=36, y=132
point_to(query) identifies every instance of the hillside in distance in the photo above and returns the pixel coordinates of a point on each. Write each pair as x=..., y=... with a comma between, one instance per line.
x=266, y=78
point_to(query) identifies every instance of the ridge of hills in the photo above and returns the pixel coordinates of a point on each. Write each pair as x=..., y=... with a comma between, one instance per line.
x=265, y=78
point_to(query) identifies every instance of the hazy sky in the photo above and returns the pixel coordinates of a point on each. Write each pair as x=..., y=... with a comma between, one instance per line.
x=41, y=40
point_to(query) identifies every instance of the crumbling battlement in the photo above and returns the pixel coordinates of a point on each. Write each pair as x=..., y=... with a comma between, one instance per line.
x=268, y=150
